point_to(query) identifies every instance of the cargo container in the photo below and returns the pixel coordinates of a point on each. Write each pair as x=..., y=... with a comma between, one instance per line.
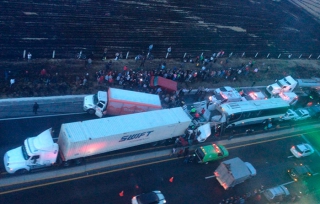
x=165, y=84
x=120, y=102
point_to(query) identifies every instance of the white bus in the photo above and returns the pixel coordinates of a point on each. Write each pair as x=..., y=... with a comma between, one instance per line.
x=252, y=112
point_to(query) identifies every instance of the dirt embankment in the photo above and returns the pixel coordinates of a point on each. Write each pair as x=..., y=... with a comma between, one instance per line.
x=66, y=76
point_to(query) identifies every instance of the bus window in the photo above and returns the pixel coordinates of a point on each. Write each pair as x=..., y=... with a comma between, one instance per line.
x=234, y=117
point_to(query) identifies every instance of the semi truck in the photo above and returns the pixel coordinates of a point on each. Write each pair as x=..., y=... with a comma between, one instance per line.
x=78, y=140
x=234, y=171
x=120, y=102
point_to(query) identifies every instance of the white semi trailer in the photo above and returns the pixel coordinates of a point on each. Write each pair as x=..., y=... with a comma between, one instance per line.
x=79, y=140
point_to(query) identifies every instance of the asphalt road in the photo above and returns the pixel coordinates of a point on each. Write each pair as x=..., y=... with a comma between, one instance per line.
x=270, y=158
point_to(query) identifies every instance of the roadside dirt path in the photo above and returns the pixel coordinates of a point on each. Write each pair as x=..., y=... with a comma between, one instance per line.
x=66, y=75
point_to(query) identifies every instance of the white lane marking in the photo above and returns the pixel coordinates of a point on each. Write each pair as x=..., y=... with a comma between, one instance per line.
x=210, y=177
x=310, y=144
x=287, y=183
x=290, y=157
x=42, y=116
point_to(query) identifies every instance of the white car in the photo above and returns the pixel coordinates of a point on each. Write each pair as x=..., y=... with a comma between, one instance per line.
x=276, y=193
x=155, y=197
x=302, y=150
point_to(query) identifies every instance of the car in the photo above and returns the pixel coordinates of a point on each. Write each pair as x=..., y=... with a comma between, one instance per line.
x=277, y=193
x=211, y=152
x=299, y=172
x=302, y=150
x=154, y=197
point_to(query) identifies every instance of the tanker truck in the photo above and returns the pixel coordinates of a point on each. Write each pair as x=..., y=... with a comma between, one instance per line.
x=78, y=140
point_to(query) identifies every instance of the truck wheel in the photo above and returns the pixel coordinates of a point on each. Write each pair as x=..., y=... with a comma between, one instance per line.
x=162, y=142
x=78, y=161
x=21, y=171
x=91, y=111
x=66, y=163
x=154, y=144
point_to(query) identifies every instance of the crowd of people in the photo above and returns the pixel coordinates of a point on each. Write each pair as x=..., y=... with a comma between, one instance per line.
x=190, y=72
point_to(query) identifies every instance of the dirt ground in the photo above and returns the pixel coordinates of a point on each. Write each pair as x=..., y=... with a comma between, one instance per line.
x=68, y=74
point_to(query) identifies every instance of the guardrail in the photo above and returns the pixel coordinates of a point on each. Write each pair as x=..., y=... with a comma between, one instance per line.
x=217, y=55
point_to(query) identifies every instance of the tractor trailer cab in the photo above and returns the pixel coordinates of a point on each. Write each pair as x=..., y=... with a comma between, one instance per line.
x=36, y=152
x=92, y=102
x=286, y=84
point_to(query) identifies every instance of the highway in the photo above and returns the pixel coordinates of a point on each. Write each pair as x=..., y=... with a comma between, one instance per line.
x=267, y=156
x=192, y=183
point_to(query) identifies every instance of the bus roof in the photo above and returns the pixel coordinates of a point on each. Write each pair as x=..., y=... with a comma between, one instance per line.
x=236, y=107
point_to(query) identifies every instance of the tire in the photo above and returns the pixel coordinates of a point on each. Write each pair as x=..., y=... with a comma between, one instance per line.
x=78, y=161
x=91, y=111
x=153, y=144
x=66, y=164
x=162, y=142
x=21, y=171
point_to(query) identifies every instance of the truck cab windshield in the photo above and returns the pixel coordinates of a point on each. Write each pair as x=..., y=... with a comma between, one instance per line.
x=24, y=153
x=287, y=81
x=95, y=98
x=279, y=83
x=300, y=114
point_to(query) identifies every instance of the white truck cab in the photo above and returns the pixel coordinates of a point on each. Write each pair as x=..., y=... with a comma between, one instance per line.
x=283, y=85
x=95, y=102
x=36, y=152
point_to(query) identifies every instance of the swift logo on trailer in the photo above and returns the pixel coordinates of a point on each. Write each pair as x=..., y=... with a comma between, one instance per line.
x=135, y=136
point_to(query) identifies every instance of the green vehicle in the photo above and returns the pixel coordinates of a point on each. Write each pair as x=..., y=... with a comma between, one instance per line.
x=211, y=152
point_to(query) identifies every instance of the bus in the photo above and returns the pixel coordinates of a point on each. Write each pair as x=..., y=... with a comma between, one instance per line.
x=252, y=112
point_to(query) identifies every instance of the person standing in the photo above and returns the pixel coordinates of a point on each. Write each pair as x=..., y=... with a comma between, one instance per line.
x=29, y=56
x=12, y=81
x=35, y=108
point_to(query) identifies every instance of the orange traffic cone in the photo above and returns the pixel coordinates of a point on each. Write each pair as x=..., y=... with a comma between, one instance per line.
x=121, y=193
x=171, y=179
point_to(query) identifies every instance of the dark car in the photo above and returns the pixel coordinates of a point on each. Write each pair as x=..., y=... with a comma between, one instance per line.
x=299, y=172
x=154, y=197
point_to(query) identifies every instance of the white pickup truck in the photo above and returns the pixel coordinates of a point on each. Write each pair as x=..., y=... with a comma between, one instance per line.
x=302, y=113
x=296, y=115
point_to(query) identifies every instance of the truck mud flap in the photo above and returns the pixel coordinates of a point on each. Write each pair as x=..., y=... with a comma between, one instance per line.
x=99, y=113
